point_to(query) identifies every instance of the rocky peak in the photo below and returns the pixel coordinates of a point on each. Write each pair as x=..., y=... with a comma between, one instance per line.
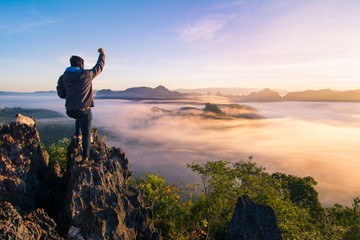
x=98, y=200
x=92, y=201
x=23, y=164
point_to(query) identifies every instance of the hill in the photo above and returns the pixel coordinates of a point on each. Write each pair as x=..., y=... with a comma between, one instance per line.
x=141, y=93
x=323, y=95
x=27, y=93
x=265, y=95
x=268, y=95
x=6, y=114
x=222, y=91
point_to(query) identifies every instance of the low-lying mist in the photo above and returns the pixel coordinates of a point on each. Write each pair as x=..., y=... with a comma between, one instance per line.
x=304, y=139
x=318, y=139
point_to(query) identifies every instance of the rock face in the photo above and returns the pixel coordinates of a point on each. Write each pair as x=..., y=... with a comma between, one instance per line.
x=36, y=225
x=93, y=200
x=98, y=200
x=24, y=174
x=252, y=221
x=23, y=165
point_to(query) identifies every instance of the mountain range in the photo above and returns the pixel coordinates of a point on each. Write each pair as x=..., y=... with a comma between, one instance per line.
x=323, y=95
x=266, y=95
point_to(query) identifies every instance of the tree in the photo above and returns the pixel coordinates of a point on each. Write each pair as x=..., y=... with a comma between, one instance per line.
x=301, y=192
x=343, y=221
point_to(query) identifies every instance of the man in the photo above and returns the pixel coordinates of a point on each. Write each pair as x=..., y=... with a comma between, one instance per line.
x=75, y=85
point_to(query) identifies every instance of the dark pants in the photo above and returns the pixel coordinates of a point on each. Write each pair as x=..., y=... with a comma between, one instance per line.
x=83, y=121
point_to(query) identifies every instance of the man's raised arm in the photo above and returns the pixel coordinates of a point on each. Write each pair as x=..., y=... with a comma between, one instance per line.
x=100, y=63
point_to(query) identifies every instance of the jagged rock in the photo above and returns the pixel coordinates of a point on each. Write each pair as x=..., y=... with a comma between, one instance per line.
x=36, y=200
x=23, y=164
x=252, y=221
x=36, y=225
x=98, y=201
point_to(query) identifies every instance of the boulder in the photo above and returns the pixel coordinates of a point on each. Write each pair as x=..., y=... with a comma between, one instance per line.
x=19, y=118
x=252, y=221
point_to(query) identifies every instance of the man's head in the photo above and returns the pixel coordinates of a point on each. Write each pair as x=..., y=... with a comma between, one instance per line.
x=76, y=61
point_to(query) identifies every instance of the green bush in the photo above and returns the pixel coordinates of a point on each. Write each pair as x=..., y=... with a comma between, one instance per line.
x=169, y=216
x=57, y=152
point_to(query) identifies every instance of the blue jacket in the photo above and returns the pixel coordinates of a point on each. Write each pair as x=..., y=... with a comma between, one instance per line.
x=75, y=85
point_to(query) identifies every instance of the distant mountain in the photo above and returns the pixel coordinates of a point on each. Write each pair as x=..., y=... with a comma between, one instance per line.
x=265, y=95
x=323, y=95
x=226, y=91
x=219, y=91
x=6, y=114
x=141, y=93
x=27, y=93
x=268, y=95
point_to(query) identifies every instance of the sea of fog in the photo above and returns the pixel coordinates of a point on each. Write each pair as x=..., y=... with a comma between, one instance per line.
x=318, y=139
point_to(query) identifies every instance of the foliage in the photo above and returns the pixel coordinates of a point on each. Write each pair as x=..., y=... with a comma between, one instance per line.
x=343, y=221
x=302, y=193
x=294, y=200
x=169, y=216
x=57, y=152
x=224, y=183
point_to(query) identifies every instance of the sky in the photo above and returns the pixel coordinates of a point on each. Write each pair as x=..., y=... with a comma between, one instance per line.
x=278, y=44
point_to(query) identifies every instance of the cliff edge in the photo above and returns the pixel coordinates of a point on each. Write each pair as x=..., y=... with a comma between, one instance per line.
x=90, y=201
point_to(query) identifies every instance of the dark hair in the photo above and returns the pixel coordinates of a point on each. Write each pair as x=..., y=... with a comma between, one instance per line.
x=76, y=61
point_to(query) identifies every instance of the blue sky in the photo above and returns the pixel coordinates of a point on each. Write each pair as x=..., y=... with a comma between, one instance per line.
x=278, y=44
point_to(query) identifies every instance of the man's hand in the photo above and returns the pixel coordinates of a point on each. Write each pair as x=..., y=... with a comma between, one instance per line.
x=101, y=51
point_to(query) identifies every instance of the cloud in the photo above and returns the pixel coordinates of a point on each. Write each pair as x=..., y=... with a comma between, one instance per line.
x=205, y=28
